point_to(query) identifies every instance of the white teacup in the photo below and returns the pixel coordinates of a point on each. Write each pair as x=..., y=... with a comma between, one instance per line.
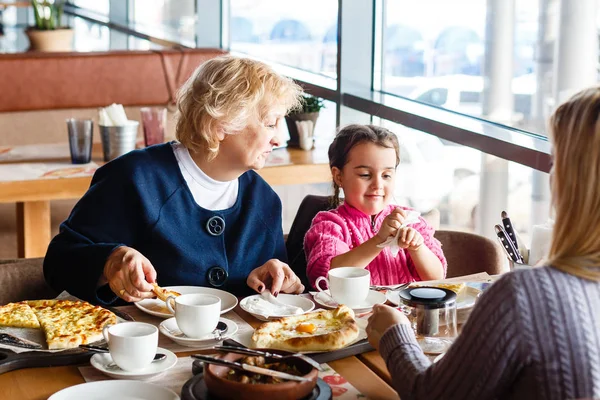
x=347, y=285
x=197, y=315
x=132, y=345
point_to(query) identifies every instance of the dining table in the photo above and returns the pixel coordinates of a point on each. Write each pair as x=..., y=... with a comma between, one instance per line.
x=365, y=373
x=31, y=176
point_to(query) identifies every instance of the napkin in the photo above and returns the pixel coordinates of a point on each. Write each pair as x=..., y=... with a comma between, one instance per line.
x=305, y=134
x=113, y=115
x=268, y=305
x=392, y=242
x=541, y=236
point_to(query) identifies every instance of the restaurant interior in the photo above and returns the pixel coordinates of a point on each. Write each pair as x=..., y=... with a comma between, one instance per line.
x=466, y=86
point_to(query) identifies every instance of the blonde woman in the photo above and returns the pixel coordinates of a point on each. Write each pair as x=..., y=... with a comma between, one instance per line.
x=534, y=334
x=191, y=212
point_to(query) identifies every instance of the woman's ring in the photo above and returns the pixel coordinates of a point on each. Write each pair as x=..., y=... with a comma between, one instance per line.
x=121, y=292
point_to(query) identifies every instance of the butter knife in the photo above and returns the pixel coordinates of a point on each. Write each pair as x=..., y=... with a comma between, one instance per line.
x=266, y=354
x=11, y=340
x=249, y=368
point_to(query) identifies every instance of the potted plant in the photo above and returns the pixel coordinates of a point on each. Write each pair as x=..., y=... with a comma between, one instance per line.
x=48, y=34
x=308, y=111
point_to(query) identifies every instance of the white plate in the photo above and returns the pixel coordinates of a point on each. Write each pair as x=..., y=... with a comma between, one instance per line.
x=289, y=299
x=100, y=361
x=170, y=329
x=111, y=390
x=466, y=300
x=374, y=297
x=159, y=308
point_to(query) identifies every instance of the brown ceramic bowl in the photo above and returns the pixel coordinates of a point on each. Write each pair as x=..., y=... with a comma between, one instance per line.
x=220, y=386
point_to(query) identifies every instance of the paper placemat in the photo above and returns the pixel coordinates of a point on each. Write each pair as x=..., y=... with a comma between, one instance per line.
x=33, y=171
x=177, y=376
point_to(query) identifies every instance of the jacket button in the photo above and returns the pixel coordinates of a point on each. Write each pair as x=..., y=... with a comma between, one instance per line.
x=215, y=225
x=216, y=276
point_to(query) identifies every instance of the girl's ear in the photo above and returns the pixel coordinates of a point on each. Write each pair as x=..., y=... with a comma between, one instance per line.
x=336, y=173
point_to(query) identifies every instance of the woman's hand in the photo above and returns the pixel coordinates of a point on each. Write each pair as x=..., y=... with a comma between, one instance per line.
x=128, y=273
x=275, y=276
x=391, y=224
x=383, y=318
x=409, y=238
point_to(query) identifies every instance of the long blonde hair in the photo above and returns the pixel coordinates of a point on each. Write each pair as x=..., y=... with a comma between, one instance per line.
x=575, y=180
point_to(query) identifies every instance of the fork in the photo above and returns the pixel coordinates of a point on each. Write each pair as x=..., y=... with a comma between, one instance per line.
x=252, y=352
x=392, y=289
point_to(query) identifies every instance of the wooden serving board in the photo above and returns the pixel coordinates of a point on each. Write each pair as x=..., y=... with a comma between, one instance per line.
x=9, y=360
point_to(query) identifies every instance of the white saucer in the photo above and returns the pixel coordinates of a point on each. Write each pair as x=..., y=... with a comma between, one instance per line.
x=101, y=360
x=158, y=308
x=374, y=297
x=111, y=390
x=170, y=329
x=289, y=299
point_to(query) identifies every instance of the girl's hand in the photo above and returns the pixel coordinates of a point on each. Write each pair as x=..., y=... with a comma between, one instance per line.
x=383, y=318
x=410, y=238
x=391, y=224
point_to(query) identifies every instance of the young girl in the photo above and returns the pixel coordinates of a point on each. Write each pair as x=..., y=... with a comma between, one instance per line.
x=363, y=161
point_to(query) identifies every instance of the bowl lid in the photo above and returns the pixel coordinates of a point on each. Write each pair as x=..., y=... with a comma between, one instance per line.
x=428, y=297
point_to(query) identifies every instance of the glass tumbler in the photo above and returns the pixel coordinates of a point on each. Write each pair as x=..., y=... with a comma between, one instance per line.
x=154, y=121
x=80, y=139
x=432, y=312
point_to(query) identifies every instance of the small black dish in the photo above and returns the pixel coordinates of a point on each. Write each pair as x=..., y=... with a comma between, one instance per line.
x=195, y=388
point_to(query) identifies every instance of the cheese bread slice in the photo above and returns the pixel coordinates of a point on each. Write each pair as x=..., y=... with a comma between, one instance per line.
x=455, y=287
x=163, y=293
x=18, y=315
x=67, y=324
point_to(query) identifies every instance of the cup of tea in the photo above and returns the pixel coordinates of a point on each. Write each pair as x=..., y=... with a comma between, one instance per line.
x=197, y=314
x=347, y=285
x=132, y=345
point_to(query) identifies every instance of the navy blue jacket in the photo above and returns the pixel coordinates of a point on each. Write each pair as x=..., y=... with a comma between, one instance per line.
x=141, y=200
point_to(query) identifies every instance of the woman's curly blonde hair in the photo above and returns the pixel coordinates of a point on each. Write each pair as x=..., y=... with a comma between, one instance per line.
x=228, y=94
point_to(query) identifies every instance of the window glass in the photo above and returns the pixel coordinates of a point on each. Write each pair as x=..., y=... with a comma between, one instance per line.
x=290, y=33
x=98, y=6
x=448, y=50
x=170, y=19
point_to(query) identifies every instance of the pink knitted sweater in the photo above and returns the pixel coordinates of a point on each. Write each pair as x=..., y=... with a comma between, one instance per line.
x=337, y=231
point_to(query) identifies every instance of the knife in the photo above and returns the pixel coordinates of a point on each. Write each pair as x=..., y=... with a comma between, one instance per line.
x=11, y=340
x=266, y=354
x=249, y=368
x=91, y=347
x=508, y=245
x=508, y=227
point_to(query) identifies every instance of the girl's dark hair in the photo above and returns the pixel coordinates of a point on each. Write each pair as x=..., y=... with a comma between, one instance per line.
x=350, y=136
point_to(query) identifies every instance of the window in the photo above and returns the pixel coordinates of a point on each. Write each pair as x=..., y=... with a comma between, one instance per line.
x=288, y=33
x=169, y=19
x=101, y=7
x=440, y=60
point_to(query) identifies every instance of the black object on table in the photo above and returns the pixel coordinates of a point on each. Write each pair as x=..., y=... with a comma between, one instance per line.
x=195, y=388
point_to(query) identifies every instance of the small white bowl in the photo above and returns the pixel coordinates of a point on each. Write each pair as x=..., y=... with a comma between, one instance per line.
x=289, y=299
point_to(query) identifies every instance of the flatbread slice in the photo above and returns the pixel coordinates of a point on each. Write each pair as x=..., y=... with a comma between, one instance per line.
x=163, y=293
x=18, y=315
x=316, y=331
x=67, y=324
x=455, y=287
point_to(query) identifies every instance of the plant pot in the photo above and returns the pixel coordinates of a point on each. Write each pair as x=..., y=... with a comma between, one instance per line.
x=293, y=129
x=51, y=40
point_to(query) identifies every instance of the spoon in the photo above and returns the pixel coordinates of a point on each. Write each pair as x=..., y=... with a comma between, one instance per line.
x=157, y=357
x=217, y=333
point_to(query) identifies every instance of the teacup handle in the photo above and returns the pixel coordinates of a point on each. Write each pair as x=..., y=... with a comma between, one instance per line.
x=169, y=306
x=105, y=332
x=319, y=279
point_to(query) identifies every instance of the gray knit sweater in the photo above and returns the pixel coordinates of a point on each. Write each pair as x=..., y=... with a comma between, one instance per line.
x=534, y=334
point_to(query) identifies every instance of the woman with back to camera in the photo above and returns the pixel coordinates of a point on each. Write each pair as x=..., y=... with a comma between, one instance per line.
x=534, y=334
x=191, y=212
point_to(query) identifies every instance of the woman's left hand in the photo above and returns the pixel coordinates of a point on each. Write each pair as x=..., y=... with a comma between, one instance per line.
x=275, y=276
x=383, y=318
